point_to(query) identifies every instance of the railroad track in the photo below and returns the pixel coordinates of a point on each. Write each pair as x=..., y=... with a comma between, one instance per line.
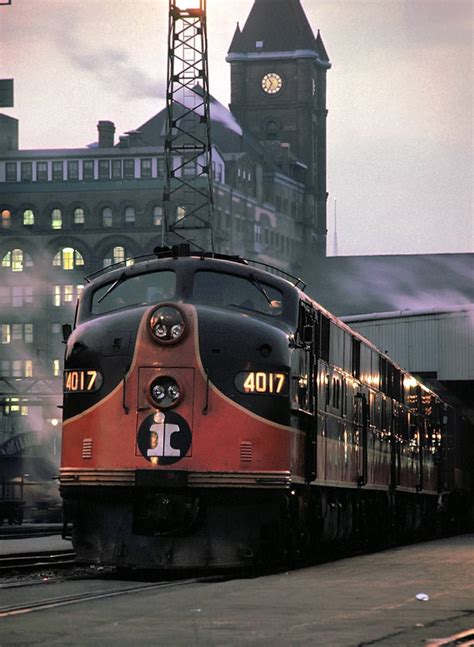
x=60, y=601
x=37, y=559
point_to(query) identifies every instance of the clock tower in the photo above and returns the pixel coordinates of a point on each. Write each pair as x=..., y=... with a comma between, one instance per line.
x=278, y=92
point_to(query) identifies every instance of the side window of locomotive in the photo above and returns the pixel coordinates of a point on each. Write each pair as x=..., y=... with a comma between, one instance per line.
x=136, y=290
x=226, y=290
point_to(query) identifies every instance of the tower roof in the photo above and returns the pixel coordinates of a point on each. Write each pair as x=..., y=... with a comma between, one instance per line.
x=276, y=26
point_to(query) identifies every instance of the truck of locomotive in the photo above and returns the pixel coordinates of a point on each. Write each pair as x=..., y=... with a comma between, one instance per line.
x=214, y=415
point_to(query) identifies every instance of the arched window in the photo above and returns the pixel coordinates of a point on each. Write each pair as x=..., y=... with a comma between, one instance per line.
x=157, y=216
x=116, y=255
x=107, y=217
x=17, y=260
x=6, y=219
x=68, y=259
x=79, y=217
x=272, y=130
x=28, y=217
x=130, y=215
x=56, y=219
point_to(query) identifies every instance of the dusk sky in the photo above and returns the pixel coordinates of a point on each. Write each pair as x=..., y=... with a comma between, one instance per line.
x=400, y=160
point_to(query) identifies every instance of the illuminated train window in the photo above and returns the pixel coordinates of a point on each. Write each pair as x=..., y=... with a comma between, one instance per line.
x=243, y=293
x=154, y=287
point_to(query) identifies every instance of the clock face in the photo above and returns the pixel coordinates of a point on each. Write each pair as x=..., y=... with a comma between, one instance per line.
x=272, y=83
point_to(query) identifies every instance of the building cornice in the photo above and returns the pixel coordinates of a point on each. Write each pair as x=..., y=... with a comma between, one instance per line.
x=272, y=56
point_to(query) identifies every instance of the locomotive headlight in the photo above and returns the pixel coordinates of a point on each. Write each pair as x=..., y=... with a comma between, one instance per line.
x=165, y=391
x=167, y=324
x=160, y=331
x=158, y=392
x=174, y=392
x=177, y=331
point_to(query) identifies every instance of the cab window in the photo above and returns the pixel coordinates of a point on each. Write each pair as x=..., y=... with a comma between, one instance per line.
x=144, y=289
x=248, y=294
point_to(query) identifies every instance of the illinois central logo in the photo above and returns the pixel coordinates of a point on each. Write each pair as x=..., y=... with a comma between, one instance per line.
x=164, y=438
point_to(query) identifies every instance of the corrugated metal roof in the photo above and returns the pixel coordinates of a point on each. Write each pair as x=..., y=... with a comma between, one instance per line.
x=439, y=341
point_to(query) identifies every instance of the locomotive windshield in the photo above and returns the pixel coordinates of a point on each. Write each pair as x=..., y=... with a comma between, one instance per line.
x=229, y=291
x=207, y=287
x=135, y=290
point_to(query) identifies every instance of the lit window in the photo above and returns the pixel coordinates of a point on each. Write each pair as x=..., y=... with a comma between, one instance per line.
x=119, y=254
x=64, y=294
x=157, y=216
x=6, y=219
x=116, y=255
x=28, y=368
x=68, y=293
x=5, y=335
x=68, y=259
x=130, y=215
x=180, y=213
x=17, y=260
x=56, y=367
x=28, y=217
x=56, y=219
x=57, y=295
x=79, y=218
x=107, y=217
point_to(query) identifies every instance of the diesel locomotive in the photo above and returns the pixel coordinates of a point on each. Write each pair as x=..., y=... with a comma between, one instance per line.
x=216, y=416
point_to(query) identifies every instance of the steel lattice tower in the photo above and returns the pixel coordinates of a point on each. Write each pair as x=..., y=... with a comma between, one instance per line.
x=187, y=197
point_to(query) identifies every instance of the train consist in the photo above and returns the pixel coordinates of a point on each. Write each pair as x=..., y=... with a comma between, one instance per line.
x=215, y=415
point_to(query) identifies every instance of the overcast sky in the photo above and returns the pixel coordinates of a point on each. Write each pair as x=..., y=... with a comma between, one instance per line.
x=400, y=161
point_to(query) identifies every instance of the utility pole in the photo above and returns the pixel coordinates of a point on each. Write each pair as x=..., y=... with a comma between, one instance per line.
x=187, y=196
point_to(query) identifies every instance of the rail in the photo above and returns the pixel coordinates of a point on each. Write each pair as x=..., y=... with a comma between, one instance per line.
x=38, y=559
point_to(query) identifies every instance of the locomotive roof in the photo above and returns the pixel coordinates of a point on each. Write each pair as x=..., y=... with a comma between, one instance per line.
x=168, y=258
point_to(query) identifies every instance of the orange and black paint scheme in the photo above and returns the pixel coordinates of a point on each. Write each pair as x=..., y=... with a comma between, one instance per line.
x=209, y=421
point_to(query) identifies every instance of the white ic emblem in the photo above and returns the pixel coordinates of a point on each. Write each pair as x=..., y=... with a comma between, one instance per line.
x=160, y=437
x=164, y=438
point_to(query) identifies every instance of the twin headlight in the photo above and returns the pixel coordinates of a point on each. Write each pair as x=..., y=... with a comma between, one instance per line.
x=165, y=391
x=167, y=324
